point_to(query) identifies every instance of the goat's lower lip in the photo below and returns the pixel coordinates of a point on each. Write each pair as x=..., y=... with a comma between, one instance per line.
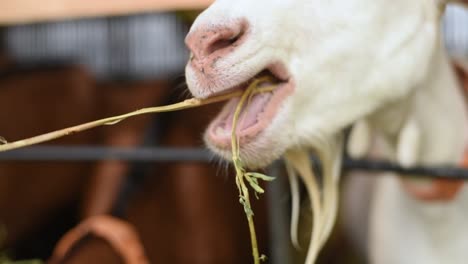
x=254, y=119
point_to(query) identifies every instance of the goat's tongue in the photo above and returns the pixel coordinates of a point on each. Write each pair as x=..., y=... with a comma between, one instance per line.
x=251, y=111
x=249, y=114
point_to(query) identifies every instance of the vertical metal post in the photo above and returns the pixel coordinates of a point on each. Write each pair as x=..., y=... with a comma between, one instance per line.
x=278, y=212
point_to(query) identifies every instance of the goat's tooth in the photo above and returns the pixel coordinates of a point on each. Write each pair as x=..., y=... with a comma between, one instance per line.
x=220, y=131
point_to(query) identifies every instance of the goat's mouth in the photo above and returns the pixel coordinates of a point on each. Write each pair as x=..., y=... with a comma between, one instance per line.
x=256, y=115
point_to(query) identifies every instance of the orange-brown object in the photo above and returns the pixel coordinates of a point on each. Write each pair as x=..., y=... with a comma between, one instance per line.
x=91, y=249
x=461, y=70
x=440, y=190
x=121, y=236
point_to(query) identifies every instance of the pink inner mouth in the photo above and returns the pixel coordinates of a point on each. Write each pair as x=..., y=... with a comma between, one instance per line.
x=254, y=118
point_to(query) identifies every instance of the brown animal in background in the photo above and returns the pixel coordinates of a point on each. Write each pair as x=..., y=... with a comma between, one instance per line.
x=462, y=72
x=185, y=213
x=202, y=221
x=31, y=103
x=43, y=100
x=108, y=177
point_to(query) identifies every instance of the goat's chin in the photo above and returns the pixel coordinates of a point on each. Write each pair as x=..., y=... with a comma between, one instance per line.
x=258, y=153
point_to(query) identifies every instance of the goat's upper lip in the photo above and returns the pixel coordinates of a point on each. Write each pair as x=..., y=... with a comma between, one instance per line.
x=255, y=116
x=276, y=70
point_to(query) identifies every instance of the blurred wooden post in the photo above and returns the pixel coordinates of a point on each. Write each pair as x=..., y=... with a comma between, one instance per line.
x=28, y=11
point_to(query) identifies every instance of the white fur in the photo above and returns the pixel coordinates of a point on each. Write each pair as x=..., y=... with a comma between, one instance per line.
x=433, y=232
x=378, y=60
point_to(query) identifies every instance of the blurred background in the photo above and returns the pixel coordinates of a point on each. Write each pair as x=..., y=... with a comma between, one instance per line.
x=64, y=64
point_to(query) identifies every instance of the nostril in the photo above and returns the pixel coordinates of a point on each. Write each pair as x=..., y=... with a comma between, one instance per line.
x=221, y=44
x=205, y=41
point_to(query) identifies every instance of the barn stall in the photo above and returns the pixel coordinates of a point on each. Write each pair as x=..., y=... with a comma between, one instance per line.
x=64, y=63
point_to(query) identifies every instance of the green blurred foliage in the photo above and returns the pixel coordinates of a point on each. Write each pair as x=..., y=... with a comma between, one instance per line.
x=188, y=16
x=4, y=259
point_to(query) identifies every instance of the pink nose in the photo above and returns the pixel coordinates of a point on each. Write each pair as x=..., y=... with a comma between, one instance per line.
x=211, y=40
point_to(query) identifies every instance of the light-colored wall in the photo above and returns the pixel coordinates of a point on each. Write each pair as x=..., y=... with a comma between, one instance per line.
x=23, y=11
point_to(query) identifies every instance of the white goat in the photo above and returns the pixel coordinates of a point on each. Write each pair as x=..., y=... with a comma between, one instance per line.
x=337, y=62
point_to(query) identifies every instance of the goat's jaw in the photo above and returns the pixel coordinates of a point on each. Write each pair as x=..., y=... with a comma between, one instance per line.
x=255, y=127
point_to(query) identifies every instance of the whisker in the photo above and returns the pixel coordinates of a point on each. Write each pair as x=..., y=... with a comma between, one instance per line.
x=181, y=92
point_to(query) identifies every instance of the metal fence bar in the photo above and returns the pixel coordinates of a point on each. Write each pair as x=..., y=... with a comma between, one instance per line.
x=161, y=154
x=92, y=153
x=454, y=173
